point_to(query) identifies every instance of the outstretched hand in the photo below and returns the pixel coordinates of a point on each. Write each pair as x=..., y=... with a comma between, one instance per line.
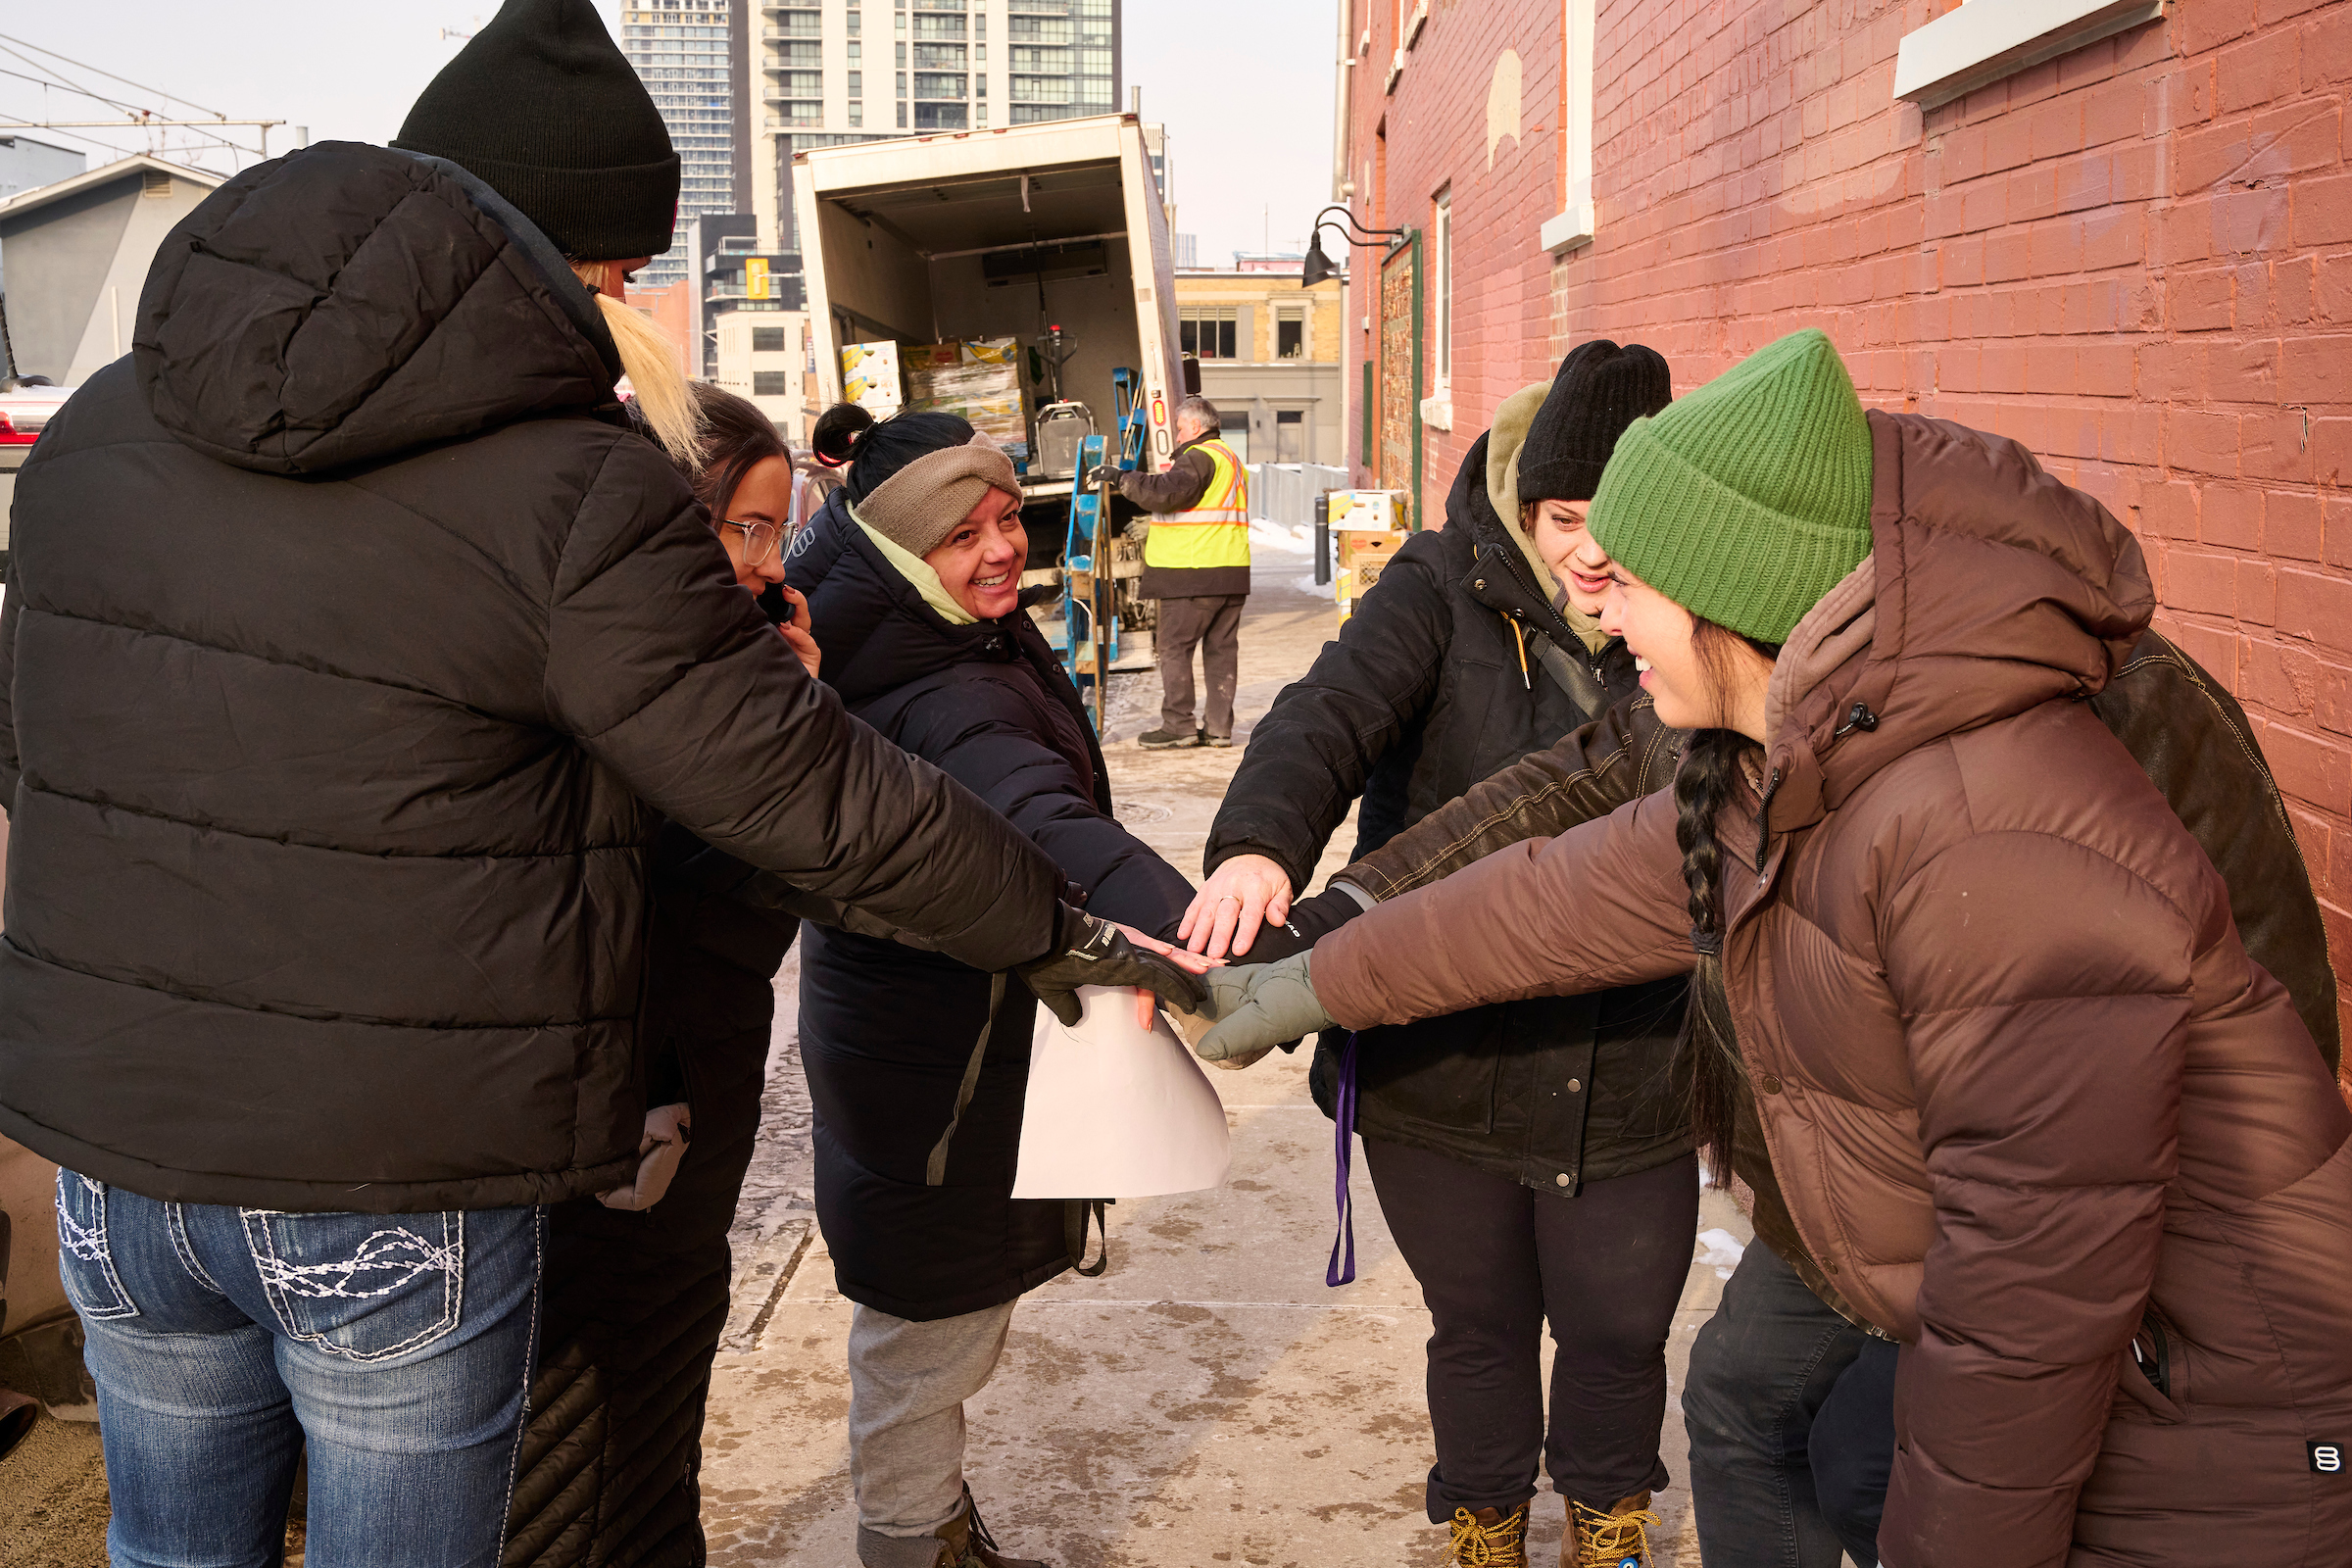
x=1257, y=1006
x=1092, y=951
x=1147, y=1002
x=1239, y=896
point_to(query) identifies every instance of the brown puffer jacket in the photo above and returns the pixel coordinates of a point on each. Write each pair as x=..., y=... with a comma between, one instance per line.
x=2035, y=1112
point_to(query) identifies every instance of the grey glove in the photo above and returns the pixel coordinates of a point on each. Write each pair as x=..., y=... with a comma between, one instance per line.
x=1257, y=1006
x=1095, y=953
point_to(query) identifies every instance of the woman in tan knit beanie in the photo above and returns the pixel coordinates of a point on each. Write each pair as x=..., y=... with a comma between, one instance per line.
x=917, y=1065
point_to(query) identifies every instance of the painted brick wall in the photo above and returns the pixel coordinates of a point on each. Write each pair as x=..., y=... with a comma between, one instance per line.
x=2135, y=258
x=1435, y=122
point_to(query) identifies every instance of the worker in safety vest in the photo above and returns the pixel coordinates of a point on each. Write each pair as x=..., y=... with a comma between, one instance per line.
x=1196, y=564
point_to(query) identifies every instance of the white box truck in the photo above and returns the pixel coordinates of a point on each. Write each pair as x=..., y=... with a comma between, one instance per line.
x=994, y=233
x=1053, y=234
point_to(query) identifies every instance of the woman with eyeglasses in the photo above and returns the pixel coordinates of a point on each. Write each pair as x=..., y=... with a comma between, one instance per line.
x=636, y=1283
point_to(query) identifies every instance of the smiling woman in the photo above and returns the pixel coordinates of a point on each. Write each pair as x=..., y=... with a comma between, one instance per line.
x=980, y=560
x=919, y=1066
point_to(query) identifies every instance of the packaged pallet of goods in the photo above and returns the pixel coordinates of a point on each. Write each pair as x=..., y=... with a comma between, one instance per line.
x=869, y=377
x=986, y=393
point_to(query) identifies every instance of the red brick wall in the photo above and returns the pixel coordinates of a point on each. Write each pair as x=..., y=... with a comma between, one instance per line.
x=2135, y=258
x=1436, y=125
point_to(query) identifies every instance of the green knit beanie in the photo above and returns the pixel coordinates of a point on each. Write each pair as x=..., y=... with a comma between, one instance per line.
x=1749, y=500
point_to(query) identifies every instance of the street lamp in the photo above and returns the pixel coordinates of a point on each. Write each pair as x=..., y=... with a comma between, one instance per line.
x=1319, y=266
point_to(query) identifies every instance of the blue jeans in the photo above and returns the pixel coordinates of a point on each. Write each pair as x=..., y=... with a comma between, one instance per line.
x=400, y=1346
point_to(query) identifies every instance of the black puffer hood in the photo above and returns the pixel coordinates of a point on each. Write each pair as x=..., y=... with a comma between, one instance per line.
x=347, y=303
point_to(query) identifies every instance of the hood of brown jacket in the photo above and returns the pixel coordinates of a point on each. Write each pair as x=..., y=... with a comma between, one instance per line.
x=1990, y=588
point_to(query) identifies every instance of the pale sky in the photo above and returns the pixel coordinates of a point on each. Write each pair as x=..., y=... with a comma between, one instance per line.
x=1244, y=86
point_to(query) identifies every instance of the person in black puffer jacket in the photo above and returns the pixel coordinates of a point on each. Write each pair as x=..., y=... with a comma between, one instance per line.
x=918, y=1064
x=355, y=644
x=1533, y=1158
x=636, y=1282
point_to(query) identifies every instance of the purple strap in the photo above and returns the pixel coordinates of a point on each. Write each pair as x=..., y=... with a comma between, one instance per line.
x=1342, y=1148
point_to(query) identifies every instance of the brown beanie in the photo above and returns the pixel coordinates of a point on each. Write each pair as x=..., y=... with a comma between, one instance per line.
x=921, y=504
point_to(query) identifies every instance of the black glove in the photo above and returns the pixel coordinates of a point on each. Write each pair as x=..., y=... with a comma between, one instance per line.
x=1095, y=953
x=1101, y=475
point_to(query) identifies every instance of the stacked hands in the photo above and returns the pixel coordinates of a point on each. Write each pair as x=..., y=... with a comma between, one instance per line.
x=1252, y=1008
x=1231, y=1015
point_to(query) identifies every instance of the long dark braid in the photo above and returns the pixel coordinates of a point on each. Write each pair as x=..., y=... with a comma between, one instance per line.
x=1713, y=770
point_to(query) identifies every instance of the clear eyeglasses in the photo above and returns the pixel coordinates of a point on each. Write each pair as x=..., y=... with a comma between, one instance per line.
x=759, y=540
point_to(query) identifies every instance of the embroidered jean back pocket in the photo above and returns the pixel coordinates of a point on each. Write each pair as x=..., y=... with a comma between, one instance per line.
x=362, y=1287
x=86, y=1259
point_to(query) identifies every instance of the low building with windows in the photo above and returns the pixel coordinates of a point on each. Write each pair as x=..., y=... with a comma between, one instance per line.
x=765, y=356
x=1269, y=353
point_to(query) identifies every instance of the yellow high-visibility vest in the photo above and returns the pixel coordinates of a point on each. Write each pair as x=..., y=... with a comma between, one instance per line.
x=1216, y=530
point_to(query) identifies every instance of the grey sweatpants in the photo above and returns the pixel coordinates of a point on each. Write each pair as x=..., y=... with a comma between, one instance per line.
x=1215, y=626
x=907, y=1384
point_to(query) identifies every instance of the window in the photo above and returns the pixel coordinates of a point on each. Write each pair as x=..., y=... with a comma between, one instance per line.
x=857, y=53
x=939, y=117
x=979, y=85
x=902, y=116
x=928, y=85
x=856, y=114
x=1290, y=331
x=1208, y=330
x=767, y=340
x=772, y=383
x=1440, y=254
x=856, y=83
x=938, y=57
x=1572, y=225
x=901, y=84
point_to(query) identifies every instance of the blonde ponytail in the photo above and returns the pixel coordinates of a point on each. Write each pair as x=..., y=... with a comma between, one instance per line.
x=650, y=361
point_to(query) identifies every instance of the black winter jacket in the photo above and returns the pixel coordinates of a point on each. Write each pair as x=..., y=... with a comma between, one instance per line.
x=634, y=1302
x=353, y=646
x=1421, y=696
x=918, y=1063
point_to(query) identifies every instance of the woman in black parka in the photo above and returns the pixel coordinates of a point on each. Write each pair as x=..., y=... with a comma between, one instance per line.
x=917, y=1064
x=636, y=1284
x=1533, y=1158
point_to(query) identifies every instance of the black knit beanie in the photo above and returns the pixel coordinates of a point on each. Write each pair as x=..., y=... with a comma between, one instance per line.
x=1601, y=389
x=547, y=111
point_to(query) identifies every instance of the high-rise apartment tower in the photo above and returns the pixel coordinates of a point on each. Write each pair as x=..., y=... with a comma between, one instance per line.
x=835, y=72
x=693, y=56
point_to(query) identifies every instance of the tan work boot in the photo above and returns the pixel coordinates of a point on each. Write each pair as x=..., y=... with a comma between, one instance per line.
x=1617, y=1539
x=965, y=1542
x=1490, y=1537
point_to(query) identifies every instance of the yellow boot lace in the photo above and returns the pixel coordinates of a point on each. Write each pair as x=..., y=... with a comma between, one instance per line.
x=1613, y=1539
x=1500, y=1544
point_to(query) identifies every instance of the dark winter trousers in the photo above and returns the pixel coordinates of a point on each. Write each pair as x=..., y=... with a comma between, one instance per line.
x=1791, y=1410
x=1496, y=1260
x=1215, y=625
